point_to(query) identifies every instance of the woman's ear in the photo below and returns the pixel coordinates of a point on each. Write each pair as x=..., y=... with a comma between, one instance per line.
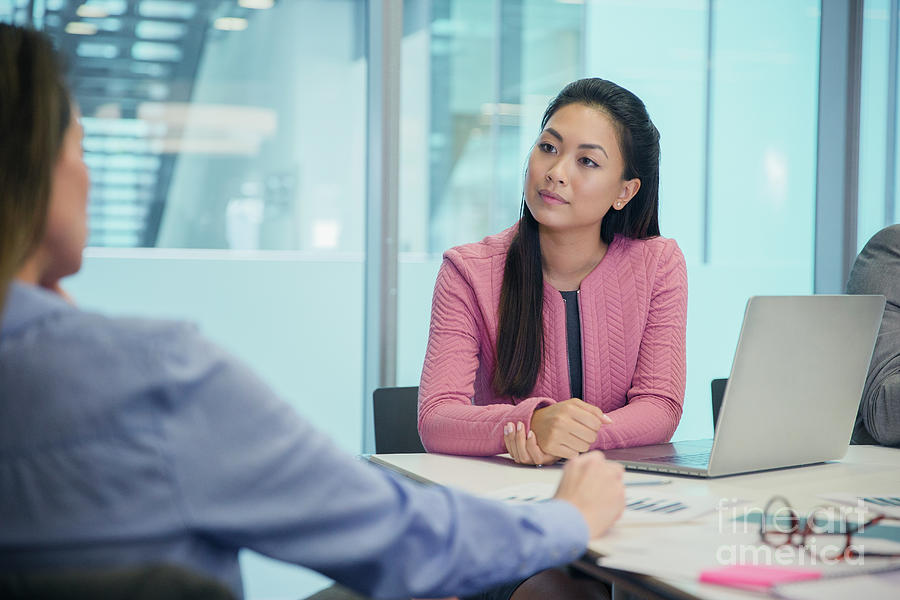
x=628, y=191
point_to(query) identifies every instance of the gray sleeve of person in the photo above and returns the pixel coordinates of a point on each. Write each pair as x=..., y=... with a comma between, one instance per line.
x=877, y=271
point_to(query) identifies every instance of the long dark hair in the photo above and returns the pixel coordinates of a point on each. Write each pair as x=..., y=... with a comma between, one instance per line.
x=520, y=336
x=34, y=115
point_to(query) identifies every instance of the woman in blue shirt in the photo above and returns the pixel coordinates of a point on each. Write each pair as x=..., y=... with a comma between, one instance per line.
x=127, y=441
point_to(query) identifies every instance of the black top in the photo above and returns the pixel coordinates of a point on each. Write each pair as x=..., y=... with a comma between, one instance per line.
x=573, y=343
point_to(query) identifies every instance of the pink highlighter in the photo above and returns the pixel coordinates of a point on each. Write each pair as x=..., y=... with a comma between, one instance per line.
x=757, y=577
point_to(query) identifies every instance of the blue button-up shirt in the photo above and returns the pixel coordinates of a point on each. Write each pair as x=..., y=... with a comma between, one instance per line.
x=128, y=441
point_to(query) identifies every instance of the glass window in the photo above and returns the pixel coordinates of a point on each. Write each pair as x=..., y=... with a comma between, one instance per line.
x=877, y=204
x=490, y=67
x=211, y=124
x=738, y=143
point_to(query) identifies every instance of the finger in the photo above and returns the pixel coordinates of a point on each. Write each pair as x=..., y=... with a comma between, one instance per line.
x=585, y=436
x=521, y=449
x=589, y=415
x=532, y=448
x=572, y=421
x=538, y=456
x=586, y=419
x=604, y=418
x=506, y=442
x=564, y=441
x=509, y=439
x=597, y=412
x=565, y=451
x=581, y=412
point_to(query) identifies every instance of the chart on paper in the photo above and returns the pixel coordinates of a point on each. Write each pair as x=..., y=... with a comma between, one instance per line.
x=887, y=503
x=641, y=505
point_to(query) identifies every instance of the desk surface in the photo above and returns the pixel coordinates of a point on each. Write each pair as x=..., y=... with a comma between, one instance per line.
x=865, y=469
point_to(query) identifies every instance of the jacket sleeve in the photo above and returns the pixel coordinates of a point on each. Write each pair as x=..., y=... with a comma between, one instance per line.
x=654, y=401
x=877, y=271
x=879, y=408
x=252, y=473
x=448, y=421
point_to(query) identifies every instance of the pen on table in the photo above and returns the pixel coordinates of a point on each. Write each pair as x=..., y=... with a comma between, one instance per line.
x=650, y=482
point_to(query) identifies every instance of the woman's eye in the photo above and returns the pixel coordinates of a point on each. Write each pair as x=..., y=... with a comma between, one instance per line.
x=588, y=162
x=546, y=147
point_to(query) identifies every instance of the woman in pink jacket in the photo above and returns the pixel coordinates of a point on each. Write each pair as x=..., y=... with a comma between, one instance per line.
x=565, y=332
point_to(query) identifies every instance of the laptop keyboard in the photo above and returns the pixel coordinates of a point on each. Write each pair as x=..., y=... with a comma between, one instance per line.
x=700, y=459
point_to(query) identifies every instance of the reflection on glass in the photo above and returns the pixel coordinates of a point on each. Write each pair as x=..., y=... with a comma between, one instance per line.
x=216, y=123
x=489, y=70
x=876, y=202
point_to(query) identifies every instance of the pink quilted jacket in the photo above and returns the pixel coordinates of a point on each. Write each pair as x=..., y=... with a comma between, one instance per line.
x=633, y=309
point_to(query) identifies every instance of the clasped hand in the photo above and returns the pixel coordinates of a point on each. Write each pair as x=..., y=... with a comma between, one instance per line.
x=562, y=430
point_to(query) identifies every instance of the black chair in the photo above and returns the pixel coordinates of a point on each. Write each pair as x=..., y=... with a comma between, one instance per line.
x=337, y=592
x=717, y=389
x=395, y=414
x=145, y=582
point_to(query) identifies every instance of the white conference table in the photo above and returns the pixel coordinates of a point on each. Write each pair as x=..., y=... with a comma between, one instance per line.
x=663, y=560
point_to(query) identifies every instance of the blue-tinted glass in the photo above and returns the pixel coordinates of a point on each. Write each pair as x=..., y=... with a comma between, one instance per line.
x=738, y=144
x=875, y=210
x=738, y=141
x=245, y=138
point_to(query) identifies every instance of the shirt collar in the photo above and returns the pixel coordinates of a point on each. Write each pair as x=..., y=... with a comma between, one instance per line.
x=26, y=303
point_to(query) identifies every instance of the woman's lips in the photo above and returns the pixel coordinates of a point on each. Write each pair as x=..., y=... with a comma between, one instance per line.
x=551, y=198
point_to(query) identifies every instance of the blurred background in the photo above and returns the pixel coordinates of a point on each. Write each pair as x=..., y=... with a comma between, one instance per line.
x=229, y=144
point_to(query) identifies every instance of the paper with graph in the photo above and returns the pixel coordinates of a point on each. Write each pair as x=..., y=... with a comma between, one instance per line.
x=641, y=506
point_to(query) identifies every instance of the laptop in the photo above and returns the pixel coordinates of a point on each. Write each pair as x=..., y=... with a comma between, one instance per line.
x=796, y=381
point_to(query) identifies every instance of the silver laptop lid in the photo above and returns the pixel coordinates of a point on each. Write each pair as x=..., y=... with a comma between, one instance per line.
x=796, y=380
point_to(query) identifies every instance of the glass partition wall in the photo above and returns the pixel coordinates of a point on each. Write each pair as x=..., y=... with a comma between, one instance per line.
x=732, y=88
x=878, y=157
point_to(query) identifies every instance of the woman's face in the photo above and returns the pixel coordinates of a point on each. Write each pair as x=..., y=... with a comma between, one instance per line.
x=575, y=170
x=66, y=232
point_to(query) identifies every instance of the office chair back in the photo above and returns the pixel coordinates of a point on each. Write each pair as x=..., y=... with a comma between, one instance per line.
x=395, y=415
x=717, y=389
x=143, y=582
x=395, y=411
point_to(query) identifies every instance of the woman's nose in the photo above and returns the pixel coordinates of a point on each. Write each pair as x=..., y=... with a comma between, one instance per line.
x=555, y=175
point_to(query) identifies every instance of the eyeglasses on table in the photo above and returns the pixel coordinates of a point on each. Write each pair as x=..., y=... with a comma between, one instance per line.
x=827, y=531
